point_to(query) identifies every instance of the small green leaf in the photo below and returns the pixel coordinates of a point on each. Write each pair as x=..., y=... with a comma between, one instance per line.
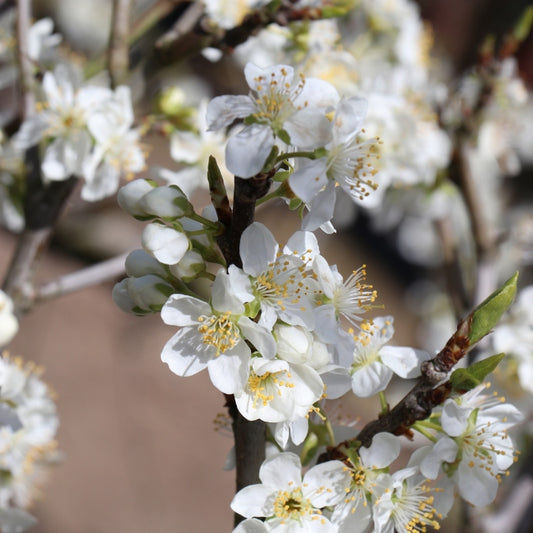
x=488, y=313
x=465, y=379
x=523, y=27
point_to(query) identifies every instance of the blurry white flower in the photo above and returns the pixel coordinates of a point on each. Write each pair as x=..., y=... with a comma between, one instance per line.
x=8, y=321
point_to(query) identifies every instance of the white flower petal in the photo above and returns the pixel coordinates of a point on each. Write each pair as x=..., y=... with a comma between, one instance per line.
x=258, y=249
x=185, y=354
x=385, y=449
x=247, y=151
x=183, y=310
x=223, y=110
x=309, y=179
x=252, y=501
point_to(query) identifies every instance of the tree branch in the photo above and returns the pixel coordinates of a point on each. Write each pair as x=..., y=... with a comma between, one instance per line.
x=118, y=53
x=82, y=279
x=25, y=65
x=250, y=436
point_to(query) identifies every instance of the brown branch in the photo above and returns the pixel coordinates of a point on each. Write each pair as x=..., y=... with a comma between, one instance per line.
x=42, y=206
x=419, y=402
x=176, y=44
x=250, y=436
x=118, y=53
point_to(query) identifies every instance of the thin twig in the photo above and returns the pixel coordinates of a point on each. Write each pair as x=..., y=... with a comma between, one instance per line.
x=82, y=279
x=25, y=65
x=118, y=53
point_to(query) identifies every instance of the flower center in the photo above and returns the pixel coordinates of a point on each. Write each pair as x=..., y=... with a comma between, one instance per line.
x=274, y=101
x=265, y=387
x=219, y=331
x=414, y=511
x=291, y=505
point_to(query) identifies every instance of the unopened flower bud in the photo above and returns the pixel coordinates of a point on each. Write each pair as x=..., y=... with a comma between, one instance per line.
x=140, y=263
x=189, y=267
x=149, y=292
x=166, y=202
x=166, y=244
x=122, y=298
x=130, y=195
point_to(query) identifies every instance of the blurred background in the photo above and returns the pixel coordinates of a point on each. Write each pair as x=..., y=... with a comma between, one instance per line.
x=139, y=447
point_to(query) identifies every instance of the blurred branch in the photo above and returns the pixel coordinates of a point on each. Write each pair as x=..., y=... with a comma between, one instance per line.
x=118, y=53
x=452, y=268
x=42, y=206
x=198, y=31
x=86, y=277
x=26, y=68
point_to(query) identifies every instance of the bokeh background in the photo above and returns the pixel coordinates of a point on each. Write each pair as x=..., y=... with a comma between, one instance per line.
x=140, y=450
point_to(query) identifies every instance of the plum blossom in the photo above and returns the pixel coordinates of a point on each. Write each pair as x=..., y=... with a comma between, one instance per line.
x=213, y=336
x=288, y=501
x=368, y=480
x=278, y=391
x=28, y=425
x=476, y=449
x=278, y=106
x=374, y=362
x=62, y=118
x=338, y=298
x=407, y=504
x=279, y=282
x=117, y=150
x=346, y=164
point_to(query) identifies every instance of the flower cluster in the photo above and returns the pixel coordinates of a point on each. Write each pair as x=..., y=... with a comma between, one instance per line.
x=27, y=447
x=470, y=451
x=86, y=131
x=305, y=118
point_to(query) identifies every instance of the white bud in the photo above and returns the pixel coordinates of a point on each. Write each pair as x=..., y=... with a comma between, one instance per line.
x=293, y=343
x=166, y=244
x=121, y=297
x=149, y=292
x=189, y=267
x=139, y=263
x=165, y=202
x=129, y=196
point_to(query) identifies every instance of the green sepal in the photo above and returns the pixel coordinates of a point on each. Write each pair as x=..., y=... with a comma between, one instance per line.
x=294, y=203
x=284, y=136
x=251, y=309
x=488, y=313
x=352, y=454
x=465, y=379
x=282, y=175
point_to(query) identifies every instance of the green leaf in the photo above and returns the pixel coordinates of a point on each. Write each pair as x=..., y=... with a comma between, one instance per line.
x=488, y=313
x=523, y=27
x=465, y=379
